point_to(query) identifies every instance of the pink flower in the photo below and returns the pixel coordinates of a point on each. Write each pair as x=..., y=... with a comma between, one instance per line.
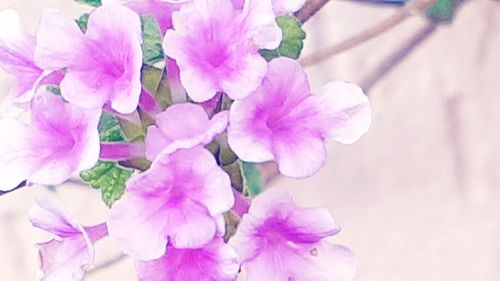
x=283, y=121
x=183, y=126
x=177, y=201
x=215, y=261
x=103, y=65
x=17, y=50
x=60, y=140
x=161, y=9
x=216, y=46
x=279, y=240
x=66, y=257
x=280, y=7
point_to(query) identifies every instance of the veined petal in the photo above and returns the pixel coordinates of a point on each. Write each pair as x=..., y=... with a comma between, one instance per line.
x=49, y=215
x=17, y=56
x=179, y=199
x=59, y=40
x=215, y=261
x=346, y=109
x=183, y=126
x=15, y=157
x=279, y=240
x=65, y=258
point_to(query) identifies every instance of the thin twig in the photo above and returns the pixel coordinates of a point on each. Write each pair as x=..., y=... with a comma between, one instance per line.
x=21, y=185
x=398, y=56
x=416, y=6
x=310, y=8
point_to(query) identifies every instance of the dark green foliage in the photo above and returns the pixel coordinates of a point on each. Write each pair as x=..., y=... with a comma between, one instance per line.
x=82, y=21
x=251, y=178
x=151, y=40
x=109, y=128
x=110, y=178
x=292, y=43
x=93, y=3
x=443, y=10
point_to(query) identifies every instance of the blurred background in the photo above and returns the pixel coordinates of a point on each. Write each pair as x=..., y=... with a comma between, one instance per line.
x=417, y=198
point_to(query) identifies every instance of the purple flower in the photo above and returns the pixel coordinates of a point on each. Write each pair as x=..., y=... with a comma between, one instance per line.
x=17, y=50
x=279, y=240
x=161, y=9
x=60, y=140
x=280, y=7
x=103, y=65
x=283, y=121
x=183, y=126
x=66, y=257
x=177, y=202
x=216, y=46
x=214, y=261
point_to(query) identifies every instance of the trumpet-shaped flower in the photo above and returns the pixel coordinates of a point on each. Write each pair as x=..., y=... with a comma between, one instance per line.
x=66, y=257
x=283, y=121
x=60, y=140
x=216, y=46
x=183, y=126
x=177, y=201
x=103, y=65
x=17, y=50
x=215, y=261
x=279, y=240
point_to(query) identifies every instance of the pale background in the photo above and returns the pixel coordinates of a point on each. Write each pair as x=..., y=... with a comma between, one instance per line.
x=417, y=197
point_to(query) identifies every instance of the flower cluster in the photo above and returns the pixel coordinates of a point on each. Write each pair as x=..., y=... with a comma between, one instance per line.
x=185, y=127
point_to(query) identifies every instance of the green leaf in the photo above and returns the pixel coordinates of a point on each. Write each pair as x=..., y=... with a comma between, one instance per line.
x=82, y=21
x=151, y=40
x=110, y=178
x=151, y=78
x=93, y=3
x=292, y=43
x=54, y=89
x=443, y=10
x=251, y=178
x=234, y=172
x=109, y=128
x=155, y=80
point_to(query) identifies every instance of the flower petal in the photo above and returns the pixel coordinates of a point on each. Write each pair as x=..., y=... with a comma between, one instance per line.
x=347, y=111
x=299, y=154
x=138, y=224
x=179, y=198
x=183, y=126
x=49, y=215
x=17, y=56
x=214, y=261
x=15, y=157
x=65, y=260
x=59, y=40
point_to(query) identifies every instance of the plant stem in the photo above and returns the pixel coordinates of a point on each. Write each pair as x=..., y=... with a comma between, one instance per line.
x=413, y=7
x=21, y=185
x=398, y=56
x=120, y=151
x=310, y=8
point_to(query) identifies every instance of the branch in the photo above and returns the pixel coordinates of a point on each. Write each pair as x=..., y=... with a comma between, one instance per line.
x=21, y=185
x=310, y=8
x=398, y=56
x=414, y=7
